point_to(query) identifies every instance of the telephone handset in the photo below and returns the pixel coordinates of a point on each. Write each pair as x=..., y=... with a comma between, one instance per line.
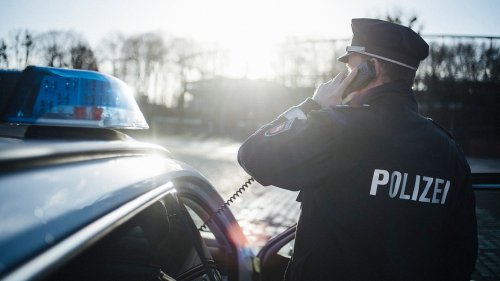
x=229, y=201
x=366, y=73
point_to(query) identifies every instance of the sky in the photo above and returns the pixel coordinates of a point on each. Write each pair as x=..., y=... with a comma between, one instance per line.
x=233, y=20
x=249, y=29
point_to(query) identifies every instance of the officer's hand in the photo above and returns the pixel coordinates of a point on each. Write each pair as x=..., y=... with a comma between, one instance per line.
x=330, y=93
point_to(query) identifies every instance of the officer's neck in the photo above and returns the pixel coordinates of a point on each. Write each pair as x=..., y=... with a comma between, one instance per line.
x=357, y=97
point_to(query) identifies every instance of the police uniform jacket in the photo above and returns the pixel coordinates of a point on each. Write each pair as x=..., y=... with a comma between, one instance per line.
x=385, y=193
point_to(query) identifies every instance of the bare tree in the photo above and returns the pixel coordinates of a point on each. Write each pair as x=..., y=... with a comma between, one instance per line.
x=15, y=38
x=82, y=57
x=490, y=59
x=4, y=59
x=21, y=45
x=110, y=51
x=54, y=47
x=142, y=57
x=398, y=16
x=191, y=62
x=29, y=45
x=306, y=63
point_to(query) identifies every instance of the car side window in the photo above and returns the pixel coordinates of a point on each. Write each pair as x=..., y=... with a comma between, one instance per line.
x=156, y=244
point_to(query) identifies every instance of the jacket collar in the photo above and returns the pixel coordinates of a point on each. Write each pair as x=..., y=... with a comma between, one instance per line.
x=392, y=93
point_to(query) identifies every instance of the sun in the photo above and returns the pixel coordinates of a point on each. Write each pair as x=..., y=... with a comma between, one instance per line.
x=250, y=57
x=249, y=32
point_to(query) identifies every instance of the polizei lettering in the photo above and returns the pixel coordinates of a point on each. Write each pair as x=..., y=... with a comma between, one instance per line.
x=417, y=188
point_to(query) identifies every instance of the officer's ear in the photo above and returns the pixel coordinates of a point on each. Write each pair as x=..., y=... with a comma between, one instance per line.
x=379, y=70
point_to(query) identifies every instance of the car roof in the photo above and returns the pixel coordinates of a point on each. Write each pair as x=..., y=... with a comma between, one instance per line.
x=14, y=149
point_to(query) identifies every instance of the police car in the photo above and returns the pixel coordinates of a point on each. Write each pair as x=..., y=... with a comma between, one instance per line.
x=81, y=200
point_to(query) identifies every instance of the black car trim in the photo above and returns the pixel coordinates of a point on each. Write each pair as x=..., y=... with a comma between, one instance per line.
x=217, y=228
x=190, y=230
x=485, y=181
x=68, y=248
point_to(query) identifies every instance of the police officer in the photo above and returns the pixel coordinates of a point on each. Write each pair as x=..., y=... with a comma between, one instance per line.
x=385, y=193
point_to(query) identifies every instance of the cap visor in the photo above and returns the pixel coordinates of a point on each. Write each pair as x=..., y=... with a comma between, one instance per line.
x=344, y=58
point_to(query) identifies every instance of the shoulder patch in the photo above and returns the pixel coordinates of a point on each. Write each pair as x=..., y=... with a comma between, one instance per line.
x=441, y=127
x=280, y=128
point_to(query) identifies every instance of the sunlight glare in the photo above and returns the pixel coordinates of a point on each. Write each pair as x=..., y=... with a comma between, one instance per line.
x=249, y=58
x=249, y=31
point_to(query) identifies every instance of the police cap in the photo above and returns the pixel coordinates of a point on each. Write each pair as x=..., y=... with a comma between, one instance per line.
x=387, y=41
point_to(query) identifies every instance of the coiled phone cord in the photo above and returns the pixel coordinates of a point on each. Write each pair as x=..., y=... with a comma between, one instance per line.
x=229, y=201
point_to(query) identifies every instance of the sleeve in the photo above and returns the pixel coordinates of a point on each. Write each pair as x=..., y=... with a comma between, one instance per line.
x=291, y=151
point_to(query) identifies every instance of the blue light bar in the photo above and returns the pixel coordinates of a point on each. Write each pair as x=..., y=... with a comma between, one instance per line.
x=73, y=98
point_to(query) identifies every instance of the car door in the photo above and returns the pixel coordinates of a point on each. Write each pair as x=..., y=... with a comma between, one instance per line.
x=275, y=255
